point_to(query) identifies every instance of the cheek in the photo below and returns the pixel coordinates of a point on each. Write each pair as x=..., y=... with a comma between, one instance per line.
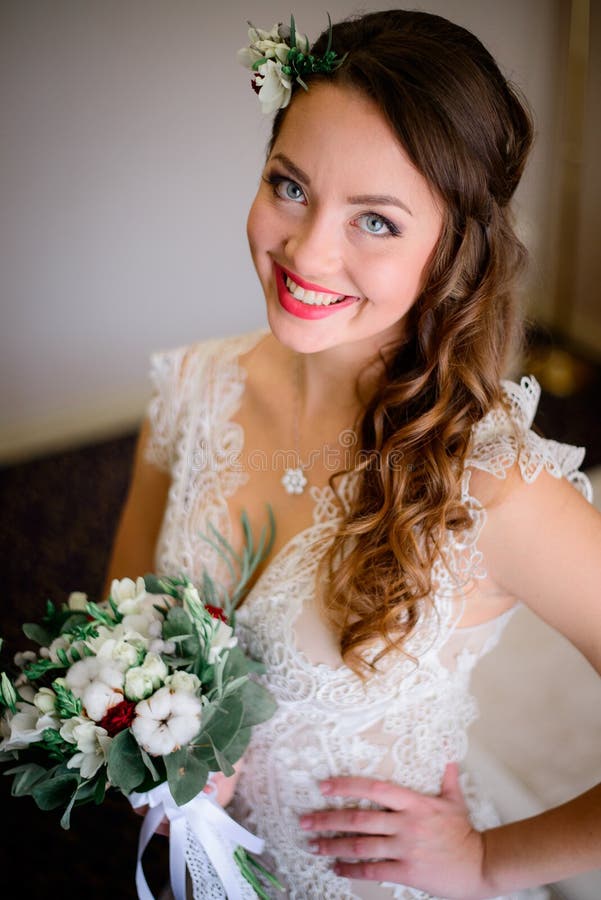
x=261, y=224
x=252, y=223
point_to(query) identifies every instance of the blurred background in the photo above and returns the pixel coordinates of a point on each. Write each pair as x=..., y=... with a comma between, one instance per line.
x=130, y=151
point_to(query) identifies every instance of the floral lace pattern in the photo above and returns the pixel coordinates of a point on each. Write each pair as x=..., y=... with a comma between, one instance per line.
x=405, y=722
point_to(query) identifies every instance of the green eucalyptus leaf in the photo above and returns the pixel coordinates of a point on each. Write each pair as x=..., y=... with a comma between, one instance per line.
x=236, y=664
x=236, y=747
x=52, y=792
x=126, y=767
x=66, y=816
x=100, y=788
x=225, y=722
x=224, y=763
x=187, y=774
x=37, y=633
x=25, y=777
x=259, y=704
x=147, y=760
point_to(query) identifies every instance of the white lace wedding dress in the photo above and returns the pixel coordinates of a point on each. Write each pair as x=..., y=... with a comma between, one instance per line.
x=405, y=723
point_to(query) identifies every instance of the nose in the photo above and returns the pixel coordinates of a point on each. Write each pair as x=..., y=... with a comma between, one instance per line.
x=313, y=247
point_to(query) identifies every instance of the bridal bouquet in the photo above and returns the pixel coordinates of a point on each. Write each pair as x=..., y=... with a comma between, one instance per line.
x=147, y=693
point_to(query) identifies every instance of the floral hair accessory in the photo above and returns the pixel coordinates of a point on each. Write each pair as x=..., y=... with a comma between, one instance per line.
x=281, y=56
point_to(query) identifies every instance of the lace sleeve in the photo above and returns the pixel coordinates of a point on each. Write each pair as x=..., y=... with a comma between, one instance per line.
x=165, y=406
x=503, y=438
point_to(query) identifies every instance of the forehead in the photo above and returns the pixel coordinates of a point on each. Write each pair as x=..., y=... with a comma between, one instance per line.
x=337, y=133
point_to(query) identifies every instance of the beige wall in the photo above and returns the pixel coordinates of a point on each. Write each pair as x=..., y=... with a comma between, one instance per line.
x=131, y=149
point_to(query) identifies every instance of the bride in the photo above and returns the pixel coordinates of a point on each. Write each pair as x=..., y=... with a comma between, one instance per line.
x=415, y=506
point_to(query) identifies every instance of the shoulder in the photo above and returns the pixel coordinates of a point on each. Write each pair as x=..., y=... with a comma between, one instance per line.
x=180, y=377
x=541, y=536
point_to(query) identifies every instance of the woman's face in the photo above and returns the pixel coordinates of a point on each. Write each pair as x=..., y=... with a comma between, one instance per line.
x=340, y=212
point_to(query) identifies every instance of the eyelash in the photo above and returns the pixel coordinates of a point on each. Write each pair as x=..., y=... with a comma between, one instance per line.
x=276, y=180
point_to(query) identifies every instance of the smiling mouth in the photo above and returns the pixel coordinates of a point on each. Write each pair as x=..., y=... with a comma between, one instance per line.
x=312, y=298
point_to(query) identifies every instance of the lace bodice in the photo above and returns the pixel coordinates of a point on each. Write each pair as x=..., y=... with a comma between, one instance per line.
x=408, y=720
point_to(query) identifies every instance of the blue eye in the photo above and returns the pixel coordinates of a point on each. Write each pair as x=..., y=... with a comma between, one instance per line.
x=377, y=225
x=285, y=188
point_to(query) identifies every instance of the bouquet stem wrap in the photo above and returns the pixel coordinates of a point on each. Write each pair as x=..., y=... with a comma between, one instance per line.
x=215, y=831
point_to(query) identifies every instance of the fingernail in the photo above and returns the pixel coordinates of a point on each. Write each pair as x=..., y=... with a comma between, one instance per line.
x=306, y=821
x=325, y=787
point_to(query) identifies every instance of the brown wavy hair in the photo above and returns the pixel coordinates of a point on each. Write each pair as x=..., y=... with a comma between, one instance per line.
x=468, y=131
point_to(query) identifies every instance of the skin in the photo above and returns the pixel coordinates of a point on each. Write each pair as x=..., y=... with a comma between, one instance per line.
x=541, y=541
x=312, y=230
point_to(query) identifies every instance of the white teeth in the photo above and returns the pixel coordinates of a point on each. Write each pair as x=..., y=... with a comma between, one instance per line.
x=313, y=298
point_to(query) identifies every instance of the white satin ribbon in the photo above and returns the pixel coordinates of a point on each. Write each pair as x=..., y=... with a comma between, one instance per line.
x=212, y=828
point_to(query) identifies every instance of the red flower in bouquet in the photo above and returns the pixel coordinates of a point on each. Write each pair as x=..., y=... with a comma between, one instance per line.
x=118, y=717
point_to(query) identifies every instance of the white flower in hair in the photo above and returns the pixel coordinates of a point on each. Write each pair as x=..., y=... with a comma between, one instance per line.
x=278, y=58
x=274, y=87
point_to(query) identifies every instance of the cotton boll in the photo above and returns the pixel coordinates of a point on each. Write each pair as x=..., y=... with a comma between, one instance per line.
x=98, y=697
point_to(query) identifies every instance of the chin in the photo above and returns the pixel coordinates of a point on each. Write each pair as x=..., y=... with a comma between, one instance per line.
x=301, y=337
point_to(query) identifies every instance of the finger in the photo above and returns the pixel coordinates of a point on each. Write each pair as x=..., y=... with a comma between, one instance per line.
x=386, y=870
x=364, y=821
x=451, y=787
x=385, y=793
x=360, y=847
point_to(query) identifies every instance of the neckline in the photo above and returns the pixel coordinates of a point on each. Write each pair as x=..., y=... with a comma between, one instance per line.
x=323, y=494
x=242, y=343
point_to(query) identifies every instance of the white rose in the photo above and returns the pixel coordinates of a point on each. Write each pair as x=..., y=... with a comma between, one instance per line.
x=104, y=643
x=45, y=700
x=141, y=681
x=156, y=668
x=223, y=639
x=166, y=721
x=92, y=743
x=138, y=684
x=77, y=601
x=123, y=653
x=183, y=681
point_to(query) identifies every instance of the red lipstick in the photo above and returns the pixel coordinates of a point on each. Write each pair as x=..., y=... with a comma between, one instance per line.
x=304, y=310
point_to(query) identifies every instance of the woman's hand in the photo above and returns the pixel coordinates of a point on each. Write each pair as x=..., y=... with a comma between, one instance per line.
x=223, y=785
x=416, y=840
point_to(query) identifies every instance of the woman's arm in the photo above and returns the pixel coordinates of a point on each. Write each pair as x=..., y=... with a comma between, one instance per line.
x=541, y=544
x=133, y=549
x=133, y=552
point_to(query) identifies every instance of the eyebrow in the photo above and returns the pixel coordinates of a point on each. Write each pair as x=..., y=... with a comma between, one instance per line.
x=355, y=200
